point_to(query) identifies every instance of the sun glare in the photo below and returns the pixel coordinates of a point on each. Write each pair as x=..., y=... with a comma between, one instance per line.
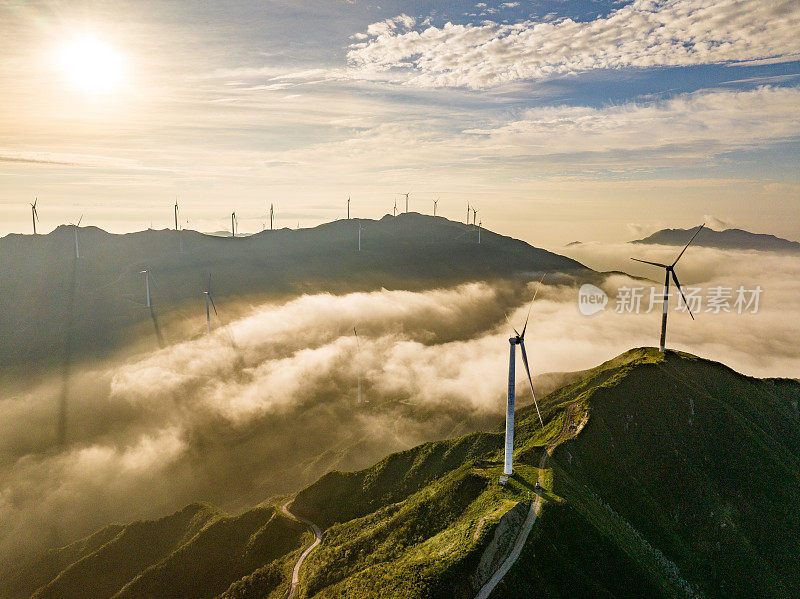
x=92, y=65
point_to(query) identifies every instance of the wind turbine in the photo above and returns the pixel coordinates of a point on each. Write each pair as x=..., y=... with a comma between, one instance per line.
x=209, y=300
x=34, y=214
x=669, y=270
x=358, y=364
x=518, y=339
x=177, y=227
x=233, y=224
x=394, y=211
x=480, y=224
x=435, y=203
x=348, y=207
x=75, y=228
x=271, y=215
x=474, y=216
x=407, y=194
x=468, y=209
x=146, y=274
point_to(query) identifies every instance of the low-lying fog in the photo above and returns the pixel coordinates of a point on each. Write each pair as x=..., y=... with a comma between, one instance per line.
x=268, y=402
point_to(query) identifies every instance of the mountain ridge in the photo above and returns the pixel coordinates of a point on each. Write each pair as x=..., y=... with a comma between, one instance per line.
x=728, y=239
x=96, y=303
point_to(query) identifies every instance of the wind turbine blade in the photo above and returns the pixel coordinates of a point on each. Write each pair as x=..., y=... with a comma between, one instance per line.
x=648, y=262
x=211, y=299
x=530, y=380
x=687, y=245
x=79, y=221
x=531, y=306
x=678, y=285
x=508, y=320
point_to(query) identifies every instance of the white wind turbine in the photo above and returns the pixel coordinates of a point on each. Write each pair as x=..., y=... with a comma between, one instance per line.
x=234, y=224
x=177, y=227
x=75, y=229
x=435, y=203
x=209, y=301
x=407, y=194
x=518, y=339
x=34, y=214
x=669, y=270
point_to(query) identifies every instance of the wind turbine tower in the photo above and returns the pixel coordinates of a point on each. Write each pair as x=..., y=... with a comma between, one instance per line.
x=233, y=224
x=75, y=229
x=146, y=274
x=348, y=207
x=669, y=271
x=271, y=215
x=518, y=339
x=468, y=209
x=435, y=203
x=394, y=211
x=34, y=214
x=407, y=194
x=209, y=301
x=474, y=216
x=175, y=212
x=480, y=224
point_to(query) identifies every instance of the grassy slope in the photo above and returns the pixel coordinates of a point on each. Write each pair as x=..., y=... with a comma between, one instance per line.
x=692, y=470
x=683, y=480
x=196, y=552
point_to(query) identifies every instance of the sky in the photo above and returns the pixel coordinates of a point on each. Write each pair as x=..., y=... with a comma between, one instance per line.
x=557, y=120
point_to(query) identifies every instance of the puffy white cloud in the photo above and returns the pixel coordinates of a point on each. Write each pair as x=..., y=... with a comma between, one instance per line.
x=644, y=33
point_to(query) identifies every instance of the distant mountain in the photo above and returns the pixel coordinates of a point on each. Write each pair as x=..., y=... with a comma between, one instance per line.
x=670, y=476
x=729, y=239
x=52, y=303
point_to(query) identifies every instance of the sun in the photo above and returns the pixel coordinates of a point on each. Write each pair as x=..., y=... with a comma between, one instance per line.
x=92, y=65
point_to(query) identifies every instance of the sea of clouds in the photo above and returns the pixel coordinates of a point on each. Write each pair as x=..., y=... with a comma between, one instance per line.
x=269, y=401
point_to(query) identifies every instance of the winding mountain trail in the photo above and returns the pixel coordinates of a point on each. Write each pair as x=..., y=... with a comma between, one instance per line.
x=533, y=512
x=317, y=540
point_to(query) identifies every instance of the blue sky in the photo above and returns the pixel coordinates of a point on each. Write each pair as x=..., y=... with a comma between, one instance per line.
x=558, y=120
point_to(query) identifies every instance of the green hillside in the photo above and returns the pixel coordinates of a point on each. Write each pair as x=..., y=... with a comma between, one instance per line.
x=53, y=304
x=670, y=476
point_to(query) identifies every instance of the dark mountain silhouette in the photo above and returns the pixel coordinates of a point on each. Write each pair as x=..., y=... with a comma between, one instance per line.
x=52, y=303
x=729, y=239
